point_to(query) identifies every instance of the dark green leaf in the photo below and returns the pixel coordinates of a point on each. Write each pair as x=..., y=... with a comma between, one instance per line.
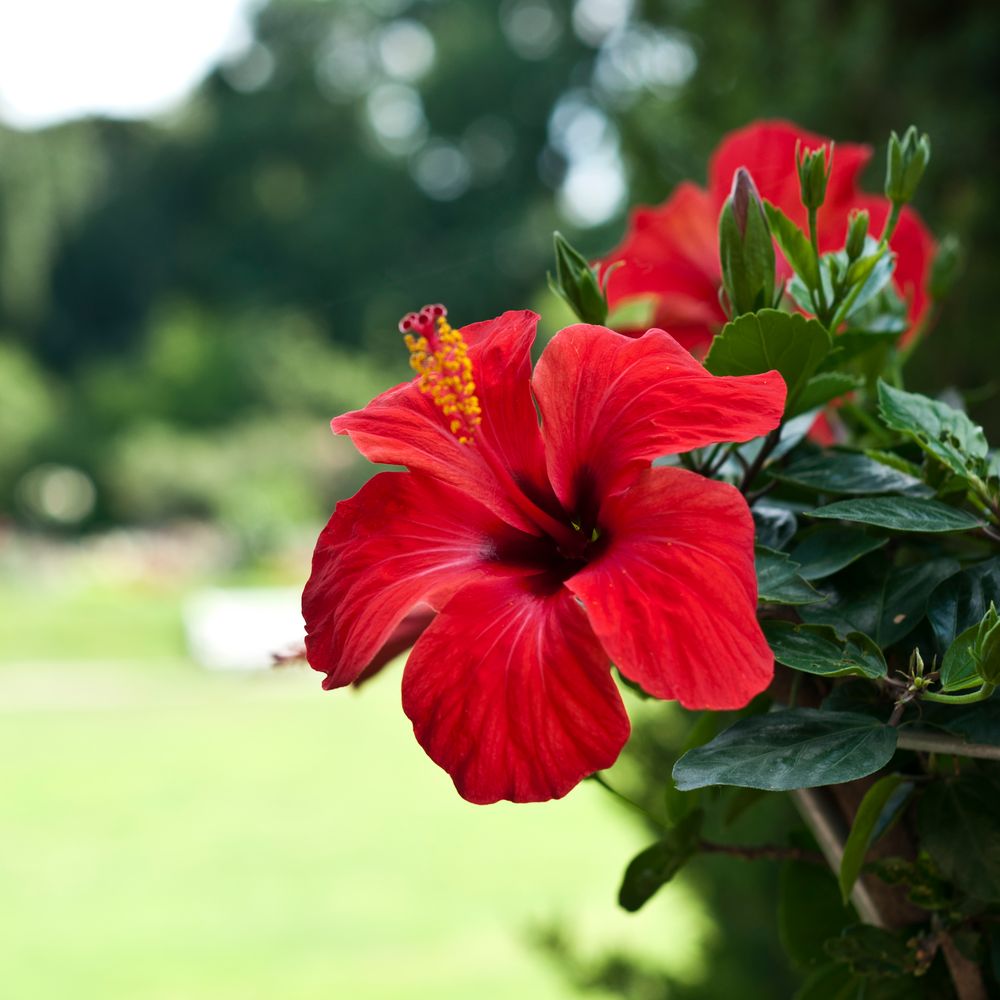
x=769, y=339
x=963, y=599
x=797, y=748
x=848, y=472
x=900, y=514
x=887, y=607
x=852, y=344
x=817, y=649
x=778, y=581
x=958, y=822
x=828, y=548
x=978, y=722
x=863, y=830
x=958, y=669
x=871, y=951
x=941, y=430
x=926, y=886
x=658, y=864
x=776, y=526
x=859, y=696
x=820, y=389
x=794, y=245
x=809, y=911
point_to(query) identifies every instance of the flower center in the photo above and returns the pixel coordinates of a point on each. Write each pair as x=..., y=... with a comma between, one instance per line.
x=440, y=356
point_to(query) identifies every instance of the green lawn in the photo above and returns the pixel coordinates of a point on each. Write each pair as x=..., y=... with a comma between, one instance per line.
x=171, y=834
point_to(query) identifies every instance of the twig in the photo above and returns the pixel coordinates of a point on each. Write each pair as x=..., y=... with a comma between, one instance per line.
x=764, y=852
x=966, y=975
x=828, y=827
x=770, y=443
x=938, y=743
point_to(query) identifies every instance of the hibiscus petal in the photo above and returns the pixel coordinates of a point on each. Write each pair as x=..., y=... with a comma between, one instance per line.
x=510, y=692
x=767, y=150
x=673, y=597
x=504, y=462
x=611, y=404
x=671, y=251
x=402, y=539
x=402, y=638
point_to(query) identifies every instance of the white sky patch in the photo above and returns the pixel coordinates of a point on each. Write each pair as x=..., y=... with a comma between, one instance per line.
x=61, y=59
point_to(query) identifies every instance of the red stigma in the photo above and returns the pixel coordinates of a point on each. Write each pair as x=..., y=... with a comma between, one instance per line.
x=423, y=323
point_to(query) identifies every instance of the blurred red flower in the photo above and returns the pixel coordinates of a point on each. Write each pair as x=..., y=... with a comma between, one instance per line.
x=671, y=252
x=546, y=551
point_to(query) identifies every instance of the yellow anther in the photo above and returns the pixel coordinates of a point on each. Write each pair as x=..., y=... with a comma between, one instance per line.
x=441, y=359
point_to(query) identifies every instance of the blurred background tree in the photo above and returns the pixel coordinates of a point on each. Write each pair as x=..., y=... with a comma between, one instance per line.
x=247, y=257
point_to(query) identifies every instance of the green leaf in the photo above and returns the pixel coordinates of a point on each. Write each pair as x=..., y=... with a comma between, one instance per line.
x=828, y=548
x=856, y=695
x=658, y=864
x=794, y=245
x=863, y=831
x=775, y=526
x=817, y=649
x=875, y=272
x=958, y=669
x=820, y=389
x=848, y=472
x=958, y=822
x=769, y=339
x=900, y=514
x=963, y=599
x=941, y=430
x=855, y=344
x=978, y=722
x=925, y=885
x=778, y=581
x=797, y=748
x=887, y=607
x=871, y=951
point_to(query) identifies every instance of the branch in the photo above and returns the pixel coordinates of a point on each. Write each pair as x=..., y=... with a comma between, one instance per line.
x=938, y=743
x=764, y=852
x=770, y=443
x=966, y=975
x=828, y=827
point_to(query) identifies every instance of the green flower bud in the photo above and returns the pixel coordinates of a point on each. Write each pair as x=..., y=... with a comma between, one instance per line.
x=946, y=266
x=576, y=282
x=986, y=647
x=746, y=248
x=814, y=168
x=905, y=164
x=857, y=233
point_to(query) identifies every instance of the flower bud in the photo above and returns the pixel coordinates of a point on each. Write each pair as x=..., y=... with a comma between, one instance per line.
x=576, y=282
x=905, y=164
x=986, y=647
x=814, y=168
x=946, y=266
x=857, y=233
x=746, y=248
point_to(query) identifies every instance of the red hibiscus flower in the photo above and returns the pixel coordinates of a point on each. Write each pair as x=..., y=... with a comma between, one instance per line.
x=671, y=252
x=547, y=552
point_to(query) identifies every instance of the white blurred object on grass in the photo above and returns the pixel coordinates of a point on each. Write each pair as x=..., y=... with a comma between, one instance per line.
x=242, y=629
